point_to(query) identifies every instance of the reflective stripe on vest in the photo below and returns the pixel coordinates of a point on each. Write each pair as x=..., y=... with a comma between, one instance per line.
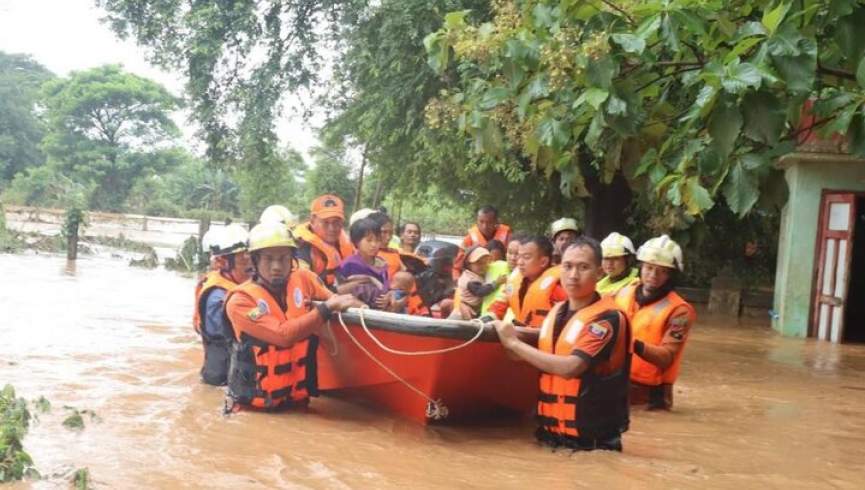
x=327, y=261
x=263, y=375
x=649, y=324
x=538, y=301
x=592, y=405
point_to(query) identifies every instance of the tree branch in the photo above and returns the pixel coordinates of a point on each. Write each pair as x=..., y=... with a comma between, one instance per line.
x=835, y=72
x=667, y=75
x=619, y=10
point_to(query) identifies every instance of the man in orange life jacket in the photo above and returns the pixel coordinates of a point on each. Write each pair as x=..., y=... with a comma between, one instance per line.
x=584, y=355
x=661, y=320
x=532, y=291
x=486, y=228
x=322, y=241
x=227, y=247
x=276, y=327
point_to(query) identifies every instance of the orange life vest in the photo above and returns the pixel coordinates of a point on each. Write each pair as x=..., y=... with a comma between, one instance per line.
x=394, y=263
x=415, y=305
x=263, y=375
x=324, y=257
x=538, y=301
x=214, y=369
x=594, y=405
x=649, y=323
x=475, y=237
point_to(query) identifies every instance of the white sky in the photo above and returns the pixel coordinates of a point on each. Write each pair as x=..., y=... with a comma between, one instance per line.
x=66, y=35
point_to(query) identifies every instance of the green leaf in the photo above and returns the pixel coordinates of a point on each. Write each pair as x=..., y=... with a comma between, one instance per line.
x=765, y=117
x=493, y=97
x=798, y=72
x=695, y=197
x=594, y=96
x=668, y=33
x=553, y=133
x=543, y=15
x=648, y=27
x=649, y=158
x=616, y=106
x=741, y=48
x=724, y=126
x=456, y=19
x=596, y=128
x=772, y=18
x=740, y=190
x=601, y=72
x=630, y=43
x=850, y=35
x=691, y=22
x=740, y=76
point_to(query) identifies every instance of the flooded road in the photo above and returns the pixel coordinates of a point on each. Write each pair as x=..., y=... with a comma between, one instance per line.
x=753, y=410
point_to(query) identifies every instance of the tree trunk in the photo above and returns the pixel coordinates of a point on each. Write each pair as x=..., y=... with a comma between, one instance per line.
x=72, y=241
x=606, y=210
x=358, y=194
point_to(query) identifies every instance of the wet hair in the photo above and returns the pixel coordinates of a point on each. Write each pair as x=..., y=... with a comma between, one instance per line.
x=363, y=227
x=488, y=209
x=496, y=245
x=585, y=241
x=381, y=217
x=545, y=246
x=402, y=227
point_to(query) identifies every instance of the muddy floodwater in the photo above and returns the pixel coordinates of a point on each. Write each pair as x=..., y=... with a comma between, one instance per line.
x=753, y=410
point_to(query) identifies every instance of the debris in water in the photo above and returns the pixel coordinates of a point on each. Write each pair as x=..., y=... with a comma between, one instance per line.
x=81, y=479
x=75, y=421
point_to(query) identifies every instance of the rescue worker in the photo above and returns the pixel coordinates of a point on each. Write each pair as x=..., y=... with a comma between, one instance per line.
x=532, y=291
x=661, y=321
x=618, y=263
x=487, y=227
x=584, y=356
x=322, y=243
x=276, y=327
x=279, y=214
x=231, y=266
x=563, y=232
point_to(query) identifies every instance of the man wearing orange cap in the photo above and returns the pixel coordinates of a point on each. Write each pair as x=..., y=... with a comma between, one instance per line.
x=322, y=241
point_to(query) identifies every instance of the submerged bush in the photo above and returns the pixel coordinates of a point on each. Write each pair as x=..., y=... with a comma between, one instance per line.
x=15, y=463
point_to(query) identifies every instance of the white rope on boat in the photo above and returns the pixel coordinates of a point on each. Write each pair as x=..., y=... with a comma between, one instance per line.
x=435, y=409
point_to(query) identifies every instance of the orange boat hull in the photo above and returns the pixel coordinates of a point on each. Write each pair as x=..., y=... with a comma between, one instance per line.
x=475, y=381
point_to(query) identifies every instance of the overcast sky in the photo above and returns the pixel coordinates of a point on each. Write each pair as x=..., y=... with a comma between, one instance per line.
x=66, y=35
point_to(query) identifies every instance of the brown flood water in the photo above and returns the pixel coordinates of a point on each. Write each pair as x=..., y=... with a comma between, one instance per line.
x=753, y=410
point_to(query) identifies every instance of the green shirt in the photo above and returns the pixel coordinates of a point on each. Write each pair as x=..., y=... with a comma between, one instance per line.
x=606, y=287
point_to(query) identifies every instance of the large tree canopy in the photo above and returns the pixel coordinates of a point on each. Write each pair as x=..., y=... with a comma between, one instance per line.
x=21, y=130
x=107, y=127
x=694, y=99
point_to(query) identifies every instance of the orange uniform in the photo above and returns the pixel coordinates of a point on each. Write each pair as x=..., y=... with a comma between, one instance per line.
x=273, y=359
x=319, y=256
x=665, y=323
x=475, y=237
x=586, y=411
x=530, y=301
x=393, y=259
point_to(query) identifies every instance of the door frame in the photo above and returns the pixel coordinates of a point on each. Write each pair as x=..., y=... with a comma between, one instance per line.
x=817, y=275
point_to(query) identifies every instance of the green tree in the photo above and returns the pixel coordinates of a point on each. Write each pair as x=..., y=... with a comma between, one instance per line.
x=330, y=175
x=274, y=180
x=108, y=127
x=21, y=129
x=691, y=100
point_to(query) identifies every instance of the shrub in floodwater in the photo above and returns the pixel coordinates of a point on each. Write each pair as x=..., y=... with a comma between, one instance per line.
x=81, y=479
x=15, y=463
x=75, y=421
x=188, y=258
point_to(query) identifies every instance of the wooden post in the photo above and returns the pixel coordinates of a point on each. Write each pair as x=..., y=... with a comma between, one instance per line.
x=72, y=240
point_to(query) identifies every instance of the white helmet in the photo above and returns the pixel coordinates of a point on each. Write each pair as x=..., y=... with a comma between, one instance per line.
x=616, y=245
x=225, y=241
x=270, y=235
x=278, y=214
x=564, y=224
x=662, y=251
x=359, y=215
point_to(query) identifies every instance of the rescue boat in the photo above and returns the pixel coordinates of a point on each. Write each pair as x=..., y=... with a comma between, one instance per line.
x=462, y=372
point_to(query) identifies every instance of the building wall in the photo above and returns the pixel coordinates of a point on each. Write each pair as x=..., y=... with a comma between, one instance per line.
x=807, y=174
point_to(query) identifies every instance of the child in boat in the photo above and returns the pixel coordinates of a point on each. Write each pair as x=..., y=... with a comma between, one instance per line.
x=400, y=288
x=497, y=273
x=364, y=274
x=471, y=286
